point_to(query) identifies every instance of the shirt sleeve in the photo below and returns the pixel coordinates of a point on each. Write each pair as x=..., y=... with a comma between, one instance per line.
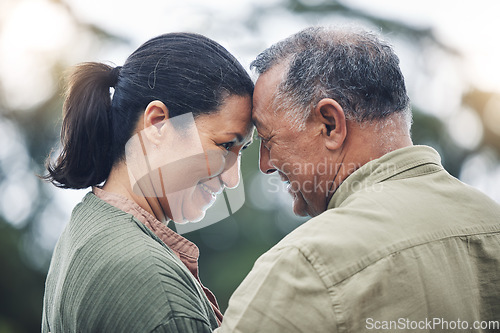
x=282, y=293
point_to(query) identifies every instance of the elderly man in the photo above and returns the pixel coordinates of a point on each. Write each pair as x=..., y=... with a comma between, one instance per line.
x=395, y=242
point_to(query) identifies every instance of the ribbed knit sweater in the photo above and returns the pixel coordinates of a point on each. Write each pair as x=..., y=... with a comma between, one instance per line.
x=110, y=273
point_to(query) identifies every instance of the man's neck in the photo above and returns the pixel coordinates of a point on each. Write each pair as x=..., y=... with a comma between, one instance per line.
x=369, y=141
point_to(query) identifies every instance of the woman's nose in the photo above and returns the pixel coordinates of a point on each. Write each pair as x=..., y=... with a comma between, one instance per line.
x=231, y=175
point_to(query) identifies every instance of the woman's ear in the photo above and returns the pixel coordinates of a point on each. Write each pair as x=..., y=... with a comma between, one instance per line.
x=155, y=115
x=331, y=118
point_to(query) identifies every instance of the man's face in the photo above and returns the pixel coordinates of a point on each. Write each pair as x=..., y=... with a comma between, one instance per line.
x=299, y=157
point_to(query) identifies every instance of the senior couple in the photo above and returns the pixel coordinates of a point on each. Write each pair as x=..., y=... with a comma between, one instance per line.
x=394, y=240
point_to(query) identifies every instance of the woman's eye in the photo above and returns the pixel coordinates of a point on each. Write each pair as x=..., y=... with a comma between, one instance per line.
x=243, y=148
x=227, y=145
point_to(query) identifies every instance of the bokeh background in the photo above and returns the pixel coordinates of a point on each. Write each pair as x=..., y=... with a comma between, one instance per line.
x=449, y=55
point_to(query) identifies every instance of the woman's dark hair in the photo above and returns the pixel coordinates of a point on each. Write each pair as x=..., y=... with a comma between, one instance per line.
x=187, y=72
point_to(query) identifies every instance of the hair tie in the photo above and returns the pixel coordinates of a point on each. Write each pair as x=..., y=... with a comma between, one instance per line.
x=113, y=76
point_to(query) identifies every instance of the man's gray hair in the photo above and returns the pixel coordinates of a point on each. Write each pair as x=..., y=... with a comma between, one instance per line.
x=350, y=65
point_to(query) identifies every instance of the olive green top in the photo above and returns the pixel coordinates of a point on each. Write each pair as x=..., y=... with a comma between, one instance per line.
x=110, y=273
x=403, y=244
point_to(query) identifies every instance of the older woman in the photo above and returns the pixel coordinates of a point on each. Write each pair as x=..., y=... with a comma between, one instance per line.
x=159, y=146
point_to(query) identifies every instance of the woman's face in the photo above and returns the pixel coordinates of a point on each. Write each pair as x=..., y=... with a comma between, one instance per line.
x=207, y=159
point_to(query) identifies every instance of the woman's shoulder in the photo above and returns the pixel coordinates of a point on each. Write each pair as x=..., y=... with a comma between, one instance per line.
x=107, y=265
x=104, y=237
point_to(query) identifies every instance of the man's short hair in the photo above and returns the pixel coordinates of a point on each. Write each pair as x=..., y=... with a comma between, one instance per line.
x=351, y=65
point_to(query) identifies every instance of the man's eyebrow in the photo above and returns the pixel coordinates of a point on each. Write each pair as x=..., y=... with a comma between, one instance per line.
x=260, y=137
x=257, y=123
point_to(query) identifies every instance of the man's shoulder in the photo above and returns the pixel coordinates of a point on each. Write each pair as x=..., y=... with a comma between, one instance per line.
x=341, y=227
x=369, y=227
x=334, y=242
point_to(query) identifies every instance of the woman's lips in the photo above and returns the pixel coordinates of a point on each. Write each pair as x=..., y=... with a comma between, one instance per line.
x=207, y=189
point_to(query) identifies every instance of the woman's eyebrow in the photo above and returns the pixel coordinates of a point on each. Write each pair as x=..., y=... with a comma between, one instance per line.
x=248, y=143
x=239, y=137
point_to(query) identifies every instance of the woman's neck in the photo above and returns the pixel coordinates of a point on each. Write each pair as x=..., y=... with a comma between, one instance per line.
x=119, y=183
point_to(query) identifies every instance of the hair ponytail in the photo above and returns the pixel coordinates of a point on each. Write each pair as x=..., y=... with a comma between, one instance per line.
x=86, y=137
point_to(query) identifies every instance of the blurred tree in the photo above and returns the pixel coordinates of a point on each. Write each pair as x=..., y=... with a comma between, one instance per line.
x=21, y=288
x=28, y=134
x=487, y=104
x=228, y=248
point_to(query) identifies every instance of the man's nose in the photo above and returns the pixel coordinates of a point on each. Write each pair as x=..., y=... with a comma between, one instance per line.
x=230, y=177
x=265, y=164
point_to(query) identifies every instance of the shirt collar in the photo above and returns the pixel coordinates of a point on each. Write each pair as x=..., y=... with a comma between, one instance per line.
x=405, y=160
x=187, y=251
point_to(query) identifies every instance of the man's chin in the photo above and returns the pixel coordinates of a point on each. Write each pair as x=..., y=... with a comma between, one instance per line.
x=300, y=207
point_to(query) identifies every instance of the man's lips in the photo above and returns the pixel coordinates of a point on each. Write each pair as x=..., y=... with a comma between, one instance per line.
x=283, y=177
x=289, y=187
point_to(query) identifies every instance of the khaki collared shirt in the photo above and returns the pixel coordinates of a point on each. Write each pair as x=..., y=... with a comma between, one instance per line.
x=403, y=245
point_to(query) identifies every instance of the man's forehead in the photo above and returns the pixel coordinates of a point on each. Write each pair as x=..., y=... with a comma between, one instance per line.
x=260, y=118
x=256, y=121
x=265, y=93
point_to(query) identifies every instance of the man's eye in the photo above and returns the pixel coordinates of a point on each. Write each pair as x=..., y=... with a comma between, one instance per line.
x=265, y=143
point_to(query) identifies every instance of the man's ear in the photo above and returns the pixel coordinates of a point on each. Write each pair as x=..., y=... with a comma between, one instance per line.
x=332, y=122
x=155, y=115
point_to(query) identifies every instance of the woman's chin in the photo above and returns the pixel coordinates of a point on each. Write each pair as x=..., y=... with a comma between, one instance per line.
x=193, y=209
x=195, y=217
